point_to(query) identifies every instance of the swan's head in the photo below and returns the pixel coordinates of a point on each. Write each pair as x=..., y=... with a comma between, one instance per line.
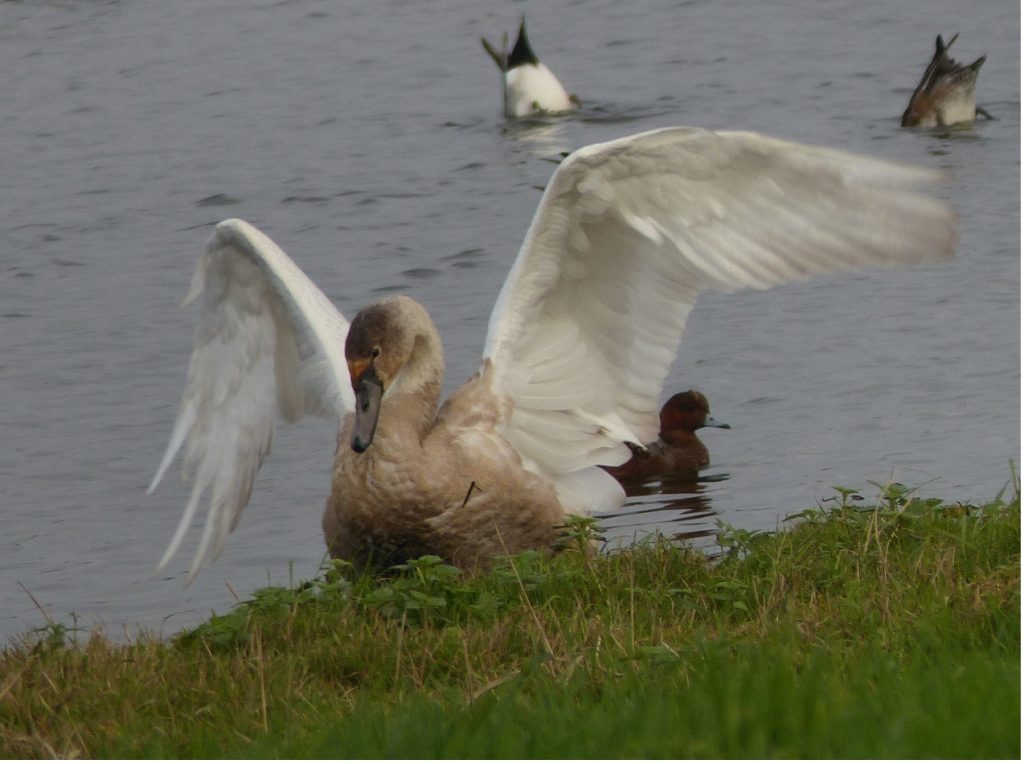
x=391, y=343
x=688, y=411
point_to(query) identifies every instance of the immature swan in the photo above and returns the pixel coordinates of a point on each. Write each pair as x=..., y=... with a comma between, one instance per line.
x=579, y=343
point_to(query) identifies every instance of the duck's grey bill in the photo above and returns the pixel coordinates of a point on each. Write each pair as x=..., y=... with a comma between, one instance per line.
x=711, y=422
x=368, y=392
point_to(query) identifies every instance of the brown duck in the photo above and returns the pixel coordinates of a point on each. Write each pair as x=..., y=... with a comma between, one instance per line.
x=945, y=95
x=677, y=453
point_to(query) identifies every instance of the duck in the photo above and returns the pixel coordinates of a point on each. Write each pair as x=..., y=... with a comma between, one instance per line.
x=528, y=86
x=678, y=452
x=581, y=337
x=945, y=95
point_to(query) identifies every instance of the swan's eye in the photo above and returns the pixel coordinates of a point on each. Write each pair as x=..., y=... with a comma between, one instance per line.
x=375, y=353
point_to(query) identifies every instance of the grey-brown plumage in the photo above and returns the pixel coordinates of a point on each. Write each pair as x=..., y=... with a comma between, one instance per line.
x=946, y=94
x=432, y=481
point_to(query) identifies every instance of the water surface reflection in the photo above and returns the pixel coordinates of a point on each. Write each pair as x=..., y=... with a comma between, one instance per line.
x=679, y=509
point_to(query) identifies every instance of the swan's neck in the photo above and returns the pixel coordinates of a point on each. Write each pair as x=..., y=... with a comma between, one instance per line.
x=412, y=399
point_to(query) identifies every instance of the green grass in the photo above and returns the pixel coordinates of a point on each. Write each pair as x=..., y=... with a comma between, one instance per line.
x=725, y=702
x=882, y=631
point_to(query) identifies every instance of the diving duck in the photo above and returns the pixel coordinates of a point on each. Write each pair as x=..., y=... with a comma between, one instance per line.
x=528, y=86
x=945, y=95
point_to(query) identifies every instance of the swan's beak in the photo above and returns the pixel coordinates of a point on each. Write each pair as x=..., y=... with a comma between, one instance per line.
x=369, y=390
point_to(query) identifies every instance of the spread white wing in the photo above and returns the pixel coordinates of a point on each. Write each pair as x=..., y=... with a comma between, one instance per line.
x=268, y=342
x=629, y=232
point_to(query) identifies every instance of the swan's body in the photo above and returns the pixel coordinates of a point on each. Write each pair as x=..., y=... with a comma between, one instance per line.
x=946, y=94
x=579, y=342
x=528, y=86
x=436, y=482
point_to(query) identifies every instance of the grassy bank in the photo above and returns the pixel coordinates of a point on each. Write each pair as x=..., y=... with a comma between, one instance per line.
x=890, y=630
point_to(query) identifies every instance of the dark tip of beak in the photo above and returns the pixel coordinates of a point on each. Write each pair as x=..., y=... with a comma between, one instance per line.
x=369, y=390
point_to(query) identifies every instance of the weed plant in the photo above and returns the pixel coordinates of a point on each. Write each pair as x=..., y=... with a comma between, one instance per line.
x=882, y=630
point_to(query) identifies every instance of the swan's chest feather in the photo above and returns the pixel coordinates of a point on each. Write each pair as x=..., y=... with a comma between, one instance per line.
x=462, y=493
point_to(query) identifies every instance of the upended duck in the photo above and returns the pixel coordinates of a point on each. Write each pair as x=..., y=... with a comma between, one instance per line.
x=678, y=453
x=946, y=94
x=528, y=86
x=581, y=337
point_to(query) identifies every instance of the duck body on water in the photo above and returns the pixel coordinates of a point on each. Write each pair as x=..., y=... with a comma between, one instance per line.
x=678, y=454
x=946, y=94
x=579, y=342
x=528, y=86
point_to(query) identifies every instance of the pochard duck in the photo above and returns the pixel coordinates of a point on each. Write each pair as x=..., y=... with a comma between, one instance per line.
x=678, y=452
x=945, y=95
x=581, y=337
x=529, y=87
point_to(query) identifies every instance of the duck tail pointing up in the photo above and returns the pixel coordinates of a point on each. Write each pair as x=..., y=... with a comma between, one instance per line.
x=522, y=53
x=941, y=47
x=500, y=57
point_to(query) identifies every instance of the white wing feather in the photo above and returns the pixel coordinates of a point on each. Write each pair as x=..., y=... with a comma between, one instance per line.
x=268, y=342
x=629, y=232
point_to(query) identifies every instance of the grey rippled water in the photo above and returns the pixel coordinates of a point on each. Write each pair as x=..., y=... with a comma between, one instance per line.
x=366, y=138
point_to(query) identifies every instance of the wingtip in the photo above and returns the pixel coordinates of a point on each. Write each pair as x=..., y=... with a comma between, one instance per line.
x=930, y=176
x=191, y=577
x=188, y=579
x=160, y=471
x=181, y=427
x=183, y=524
x=168, y=554
x=172, y=549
